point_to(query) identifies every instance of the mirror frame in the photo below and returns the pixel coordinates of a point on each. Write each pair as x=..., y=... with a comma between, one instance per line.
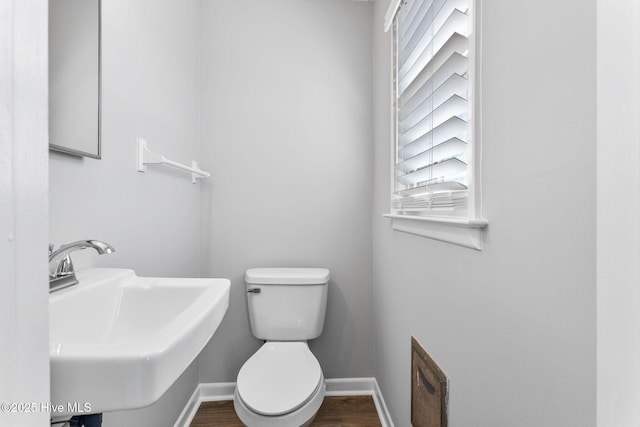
x=98, y=153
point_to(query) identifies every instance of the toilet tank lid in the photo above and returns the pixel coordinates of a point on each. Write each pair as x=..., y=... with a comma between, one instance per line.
x=287, y=276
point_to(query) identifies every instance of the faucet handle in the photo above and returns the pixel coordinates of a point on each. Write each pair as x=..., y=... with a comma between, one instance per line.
x=65, y=267
x=50, y=248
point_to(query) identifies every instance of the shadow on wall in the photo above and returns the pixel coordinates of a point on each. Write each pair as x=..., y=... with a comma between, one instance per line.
x=332, y=348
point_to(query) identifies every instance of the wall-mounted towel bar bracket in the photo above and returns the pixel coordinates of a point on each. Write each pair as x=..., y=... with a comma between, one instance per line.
x=148, y=157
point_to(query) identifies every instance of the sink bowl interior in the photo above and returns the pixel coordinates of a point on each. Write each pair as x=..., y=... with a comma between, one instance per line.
x=118, y=341
x=120, y=314
x=144, y=311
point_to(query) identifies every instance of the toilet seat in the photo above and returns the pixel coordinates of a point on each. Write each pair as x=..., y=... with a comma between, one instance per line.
x=279, y=378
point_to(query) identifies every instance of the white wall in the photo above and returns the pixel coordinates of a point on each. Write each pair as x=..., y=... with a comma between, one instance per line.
x=164, y=411
x=618, y=213
x=150, y=89
x=24, y=354
x=286, y=130
x=513, y=326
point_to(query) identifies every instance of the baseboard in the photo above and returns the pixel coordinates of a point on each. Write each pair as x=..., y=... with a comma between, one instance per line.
x=350, y=386
x=381, y=406
x=190, y=409
x=209, y=392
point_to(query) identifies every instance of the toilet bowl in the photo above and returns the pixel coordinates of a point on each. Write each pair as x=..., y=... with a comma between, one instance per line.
x=282, y=384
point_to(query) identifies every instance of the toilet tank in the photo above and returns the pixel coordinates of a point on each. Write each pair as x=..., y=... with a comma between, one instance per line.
x=287, y=304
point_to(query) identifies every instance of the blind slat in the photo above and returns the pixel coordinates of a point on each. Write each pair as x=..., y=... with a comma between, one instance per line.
x=454, y=85
x=439, y=187
x=455, y=127
x=454, y=64
x=438, y=171
x=455, y=106
x=427, y=17
x=457, y=43
x=416, y=22
x=436, y=200
x=412, y=15
x=432, y=40
x=450, y=148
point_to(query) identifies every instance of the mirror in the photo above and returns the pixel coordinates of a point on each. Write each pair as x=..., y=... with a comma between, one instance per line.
x=74, y=77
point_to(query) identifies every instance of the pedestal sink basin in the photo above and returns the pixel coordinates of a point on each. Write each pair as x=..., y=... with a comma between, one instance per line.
x=118, y=341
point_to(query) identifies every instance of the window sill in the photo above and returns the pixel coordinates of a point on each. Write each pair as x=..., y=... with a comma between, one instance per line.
x=458, y=231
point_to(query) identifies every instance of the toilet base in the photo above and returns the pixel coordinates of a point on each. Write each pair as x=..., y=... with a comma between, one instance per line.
x=302, y=416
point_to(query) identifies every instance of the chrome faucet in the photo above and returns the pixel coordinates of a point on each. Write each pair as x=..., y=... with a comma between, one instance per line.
x=61, y=272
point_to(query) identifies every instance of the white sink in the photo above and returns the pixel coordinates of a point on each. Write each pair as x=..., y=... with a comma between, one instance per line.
x=118, y=341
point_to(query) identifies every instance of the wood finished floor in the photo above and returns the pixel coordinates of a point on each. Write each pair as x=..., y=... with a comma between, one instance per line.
x=336, y=411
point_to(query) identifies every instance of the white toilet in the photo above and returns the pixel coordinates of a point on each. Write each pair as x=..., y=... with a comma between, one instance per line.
x=282, y=383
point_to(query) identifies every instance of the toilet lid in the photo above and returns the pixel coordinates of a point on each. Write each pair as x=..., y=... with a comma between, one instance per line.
x=279, y=378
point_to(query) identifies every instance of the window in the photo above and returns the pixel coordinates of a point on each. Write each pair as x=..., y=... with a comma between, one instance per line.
x=435, y=188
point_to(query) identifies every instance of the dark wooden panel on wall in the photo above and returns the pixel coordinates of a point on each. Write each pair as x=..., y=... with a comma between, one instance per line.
x=429, y=392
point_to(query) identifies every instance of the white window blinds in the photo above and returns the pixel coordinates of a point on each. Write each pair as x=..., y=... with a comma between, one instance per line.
x=431, y=108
